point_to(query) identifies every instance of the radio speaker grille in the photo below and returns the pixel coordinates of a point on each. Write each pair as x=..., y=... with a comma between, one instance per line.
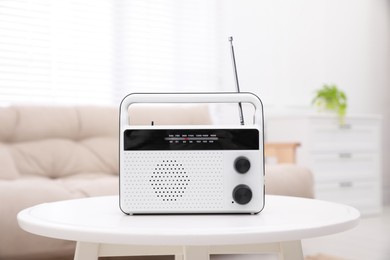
x=172, y=180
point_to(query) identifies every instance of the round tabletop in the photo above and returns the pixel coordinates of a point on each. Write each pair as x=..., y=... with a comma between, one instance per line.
x=99, y=220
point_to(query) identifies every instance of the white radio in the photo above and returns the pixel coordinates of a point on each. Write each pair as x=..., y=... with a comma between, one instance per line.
x=191, y=169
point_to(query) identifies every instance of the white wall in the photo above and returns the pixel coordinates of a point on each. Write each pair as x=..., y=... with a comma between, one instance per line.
x=285, y=50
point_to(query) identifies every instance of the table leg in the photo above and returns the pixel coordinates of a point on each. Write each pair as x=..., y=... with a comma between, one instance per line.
x=291, y=250
x=86, y=251
x=196, y=253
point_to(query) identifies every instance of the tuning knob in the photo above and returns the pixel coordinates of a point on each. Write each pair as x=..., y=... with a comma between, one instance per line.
x=242, y=164
x=242, y=194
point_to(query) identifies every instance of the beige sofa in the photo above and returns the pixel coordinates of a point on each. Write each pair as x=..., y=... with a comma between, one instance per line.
x=57, y=153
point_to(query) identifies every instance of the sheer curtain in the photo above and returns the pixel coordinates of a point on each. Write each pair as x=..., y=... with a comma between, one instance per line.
x=97, y=51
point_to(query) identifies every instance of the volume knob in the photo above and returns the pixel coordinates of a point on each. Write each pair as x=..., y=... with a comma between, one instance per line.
x=242, y=164
x=242, y=194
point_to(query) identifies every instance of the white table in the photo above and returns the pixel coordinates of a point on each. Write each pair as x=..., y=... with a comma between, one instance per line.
x=101, y=229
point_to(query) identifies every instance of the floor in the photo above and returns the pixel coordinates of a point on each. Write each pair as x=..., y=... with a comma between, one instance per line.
x=370, y=240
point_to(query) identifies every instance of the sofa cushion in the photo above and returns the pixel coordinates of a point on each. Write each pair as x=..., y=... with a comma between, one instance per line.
x=91, y=184
x=27, y=123
x=35, y=123
x=57, y=158
x=58, y=141
x=167, y=114
x=8, y=170
x=98, y=122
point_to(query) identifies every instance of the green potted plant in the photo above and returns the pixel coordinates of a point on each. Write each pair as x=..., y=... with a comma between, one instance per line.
x=330, y=98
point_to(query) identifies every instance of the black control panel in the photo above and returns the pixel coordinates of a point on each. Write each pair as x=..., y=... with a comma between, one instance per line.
x=191, y=139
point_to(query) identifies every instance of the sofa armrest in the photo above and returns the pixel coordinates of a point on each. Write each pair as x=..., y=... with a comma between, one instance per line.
x=289, y=180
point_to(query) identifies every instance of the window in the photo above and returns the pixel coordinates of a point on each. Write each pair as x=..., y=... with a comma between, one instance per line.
x=167, y=45
x=97, y=51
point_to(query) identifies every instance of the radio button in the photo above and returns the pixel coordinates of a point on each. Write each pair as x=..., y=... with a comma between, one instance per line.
x=242, y=165
x=242, y=194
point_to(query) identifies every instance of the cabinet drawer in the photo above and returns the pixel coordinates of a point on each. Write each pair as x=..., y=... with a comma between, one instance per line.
x=345, y=166
x=365, y=196
x=353, y=137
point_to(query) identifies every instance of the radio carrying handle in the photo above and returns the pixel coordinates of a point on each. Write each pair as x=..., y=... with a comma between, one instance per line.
x=227, y=97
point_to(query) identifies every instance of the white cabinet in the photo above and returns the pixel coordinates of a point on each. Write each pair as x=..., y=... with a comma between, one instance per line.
x=345, y=159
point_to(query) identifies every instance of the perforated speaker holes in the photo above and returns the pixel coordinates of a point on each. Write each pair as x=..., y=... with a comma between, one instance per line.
x=169, y=180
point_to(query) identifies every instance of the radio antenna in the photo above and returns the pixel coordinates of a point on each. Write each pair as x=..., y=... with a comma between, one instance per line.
x=236, y=80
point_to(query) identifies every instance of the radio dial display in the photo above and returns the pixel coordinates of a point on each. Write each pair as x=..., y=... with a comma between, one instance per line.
x=191, y=139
